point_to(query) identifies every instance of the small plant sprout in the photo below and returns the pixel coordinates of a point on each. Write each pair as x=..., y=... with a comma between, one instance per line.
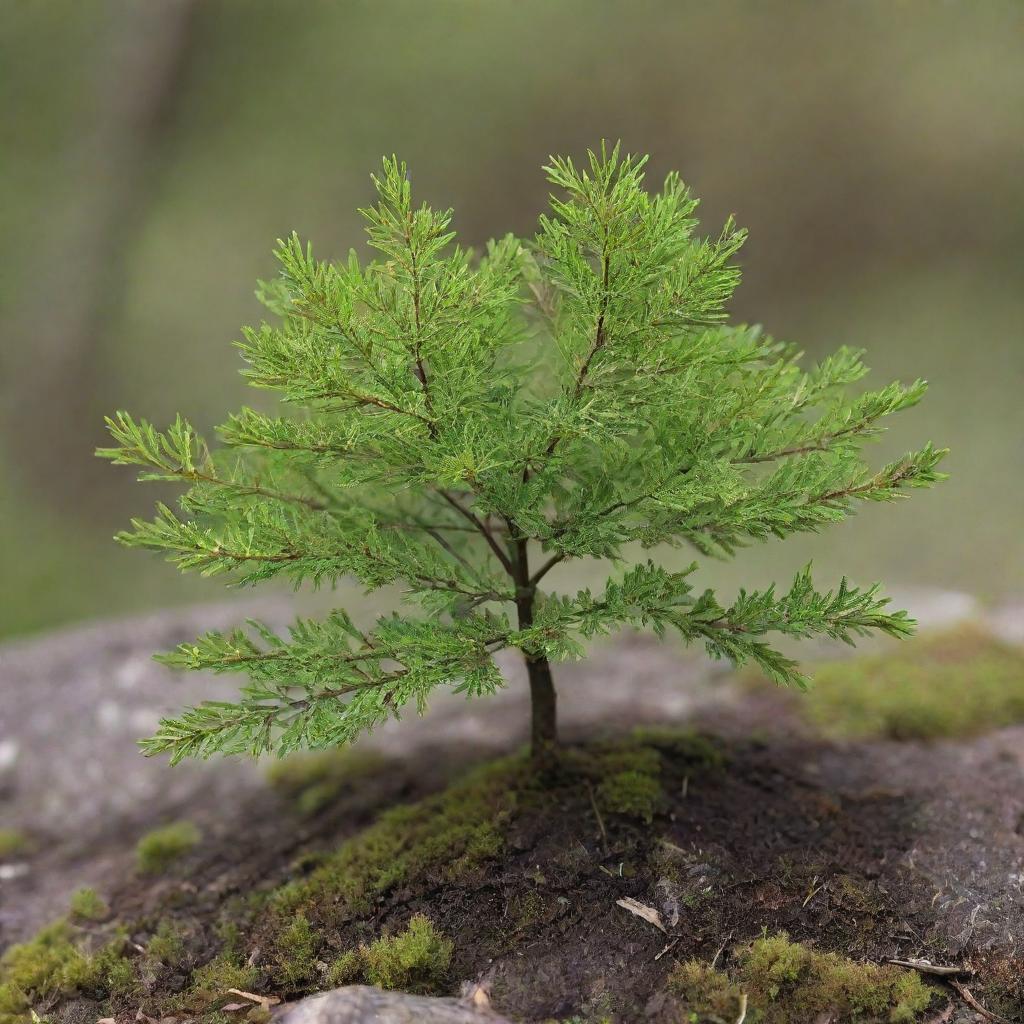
x=88, y=905
x=461, y=423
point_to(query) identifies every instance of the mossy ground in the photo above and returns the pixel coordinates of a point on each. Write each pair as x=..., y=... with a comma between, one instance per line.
x=62, y=960
x=777, y=981
x=159, y=849
x=324, y=925
x=937, y=686
x=415, y=960
x=506, y=874
x=88, y=905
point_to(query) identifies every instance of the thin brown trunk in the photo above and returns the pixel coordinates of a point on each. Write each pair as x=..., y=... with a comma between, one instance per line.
x=543, y=718
x=543, y=700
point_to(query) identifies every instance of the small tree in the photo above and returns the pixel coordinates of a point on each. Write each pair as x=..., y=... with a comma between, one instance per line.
x=463, y=425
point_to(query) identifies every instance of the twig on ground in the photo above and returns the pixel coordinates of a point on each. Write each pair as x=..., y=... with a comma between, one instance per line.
x=965, y=994
x=670, y=946
x=721, y=950
x=265, y=1002
x=814, y=890
x=926, y=967
x=950, y=972
x=743, y=1009
x=649, y=914
x=600, y=820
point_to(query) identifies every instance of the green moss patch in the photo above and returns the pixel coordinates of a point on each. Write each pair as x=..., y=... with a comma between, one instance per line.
x=88, y=905
x=165, y=949
x=313, y=781
x=784, y=981
x=211, y=983
x=36, y=970
x=415, y=960
x=54, y=964
x=636, y=794
x=444, y=838
x=294, y=955
x=13, y=843
x=628, y=776
x=159, y=849
x=958, y=683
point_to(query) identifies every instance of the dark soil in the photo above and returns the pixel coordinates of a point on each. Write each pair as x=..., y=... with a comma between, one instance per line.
x=741, y=852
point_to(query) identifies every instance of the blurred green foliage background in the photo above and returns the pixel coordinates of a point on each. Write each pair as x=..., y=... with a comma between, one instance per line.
x=153, y=151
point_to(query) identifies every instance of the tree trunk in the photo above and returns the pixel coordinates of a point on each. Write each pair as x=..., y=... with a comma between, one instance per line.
x=543, y=717
x=543, y=701
x=543, y=720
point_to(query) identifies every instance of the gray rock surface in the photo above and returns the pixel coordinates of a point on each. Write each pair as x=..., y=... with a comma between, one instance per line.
x=362, y=1004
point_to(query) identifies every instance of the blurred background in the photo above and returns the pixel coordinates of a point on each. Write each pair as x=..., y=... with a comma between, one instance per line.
x=153, y=151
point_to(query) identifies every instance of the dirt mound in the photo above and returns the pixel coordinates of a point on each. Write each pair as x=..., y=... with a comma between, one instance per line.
x=636, y=885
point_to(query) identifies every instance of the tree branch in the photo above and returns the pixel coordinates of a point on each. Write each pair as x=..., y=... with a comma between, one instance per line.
x=821, y=445
x=251, y=489
x=483, y=529
x=547, y=567
x=361, y=399
x=421, y=370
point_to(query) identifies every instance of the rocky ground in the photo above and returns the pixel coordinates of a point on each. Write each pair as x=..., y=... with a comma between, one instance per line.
x=878, y=848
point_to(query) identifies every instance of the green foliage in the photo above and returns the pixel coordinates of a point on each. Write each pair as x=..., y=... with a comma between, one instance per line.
x=159, y=849
x=415, y=960
x=346, y=969
x=448, y=416
x=626, y=775
x=107, y=972
x=683, y=746
x=296, y=951
x=706, y=992
x=34, y=970
x=89, y=905
x=632, y=793
x=954, y=684
x=165, y=948
x=787, y=981
x=53, y=964
x=212, y=981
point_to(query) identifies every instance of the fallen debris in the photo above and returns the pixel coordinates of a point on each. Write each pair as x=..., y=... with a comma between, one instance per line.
x=965, y=993
x=670, y=946
x=927, y=967
x=264, y=1002
x=649, y=914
